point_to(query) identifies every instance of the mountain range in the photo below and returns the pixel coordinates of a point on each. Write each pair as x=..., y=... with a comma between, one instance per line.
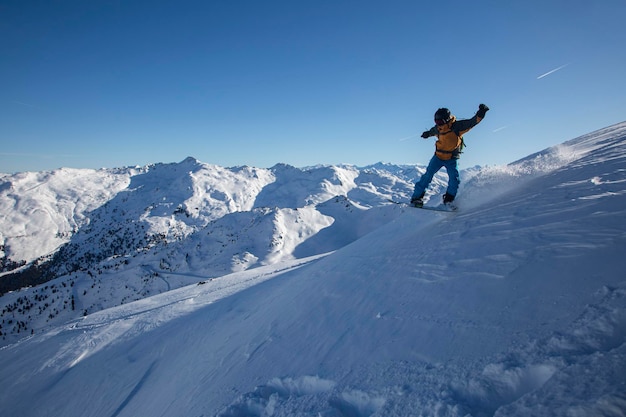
x=190, y=289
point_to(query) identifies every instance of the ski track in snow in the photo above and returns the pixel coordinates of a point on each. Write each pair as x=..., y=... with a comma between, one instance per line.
x=527, y=318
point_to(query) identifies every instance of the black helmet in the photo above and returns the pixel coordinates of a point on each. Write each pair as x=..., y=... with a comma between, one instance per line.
x=442, y=116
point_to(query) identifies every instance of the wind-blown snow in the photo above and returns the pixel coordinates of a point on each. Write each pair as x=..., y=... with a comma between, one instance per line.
x=513, y=306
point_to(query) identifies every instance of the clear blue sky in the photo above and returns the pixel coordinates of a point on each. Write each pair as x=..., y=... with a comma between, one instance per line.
x=91, y=84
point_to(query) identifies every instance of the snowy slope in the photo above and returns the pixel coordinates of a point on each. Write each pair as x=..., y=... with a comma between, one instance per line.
x=513, y=306
x=41, y=210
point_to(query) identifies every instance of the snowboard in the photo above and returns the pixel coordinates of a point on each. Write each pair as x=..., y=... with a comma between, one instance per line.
x=441, y=207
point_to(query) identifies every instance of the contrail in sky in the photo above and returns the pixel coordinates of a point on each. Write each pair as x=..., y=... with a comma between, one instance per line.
x=553, y=71
x=21, y=103
x=409, y=137
x=39, y=155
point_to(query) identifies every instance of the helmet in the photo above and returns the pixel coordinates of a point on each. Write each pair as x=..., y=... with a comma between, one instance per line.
x=442, y=116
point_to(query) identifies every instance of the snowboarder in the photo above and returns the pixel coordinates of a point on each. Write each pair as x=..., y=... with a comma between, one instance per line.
x=448, y=148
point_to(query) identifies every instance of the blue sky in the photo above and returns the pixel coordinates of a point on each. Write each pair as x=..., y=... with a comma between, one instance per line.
x=91, y=84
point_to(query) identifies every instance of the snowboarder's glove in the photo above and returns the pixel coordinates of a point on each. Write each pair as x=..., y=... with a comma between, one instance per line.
x=426, y=134
x=482, y=110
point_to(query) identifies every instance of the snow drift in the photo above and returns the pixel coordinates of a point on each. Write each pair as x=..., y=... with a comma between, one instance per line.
x=513, y=306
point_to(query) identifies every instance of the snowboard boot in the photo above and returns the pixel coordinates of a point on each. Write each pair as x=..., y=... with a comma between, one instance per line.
x=448, y=198
x=417, y=201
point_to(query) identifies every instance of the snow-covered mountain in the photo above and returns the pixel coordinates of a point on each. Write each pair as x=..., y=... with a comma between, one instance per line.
x=100, y=238
x=312, y=295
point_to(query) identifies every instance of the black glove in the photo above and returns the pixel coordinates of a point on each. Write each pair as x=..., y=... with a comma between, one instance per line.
x=426, y=134
x=482, y=110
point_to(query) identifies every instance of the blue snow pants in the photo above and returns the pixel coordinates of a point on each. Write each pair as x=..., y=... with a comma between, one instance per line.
x=435, y=165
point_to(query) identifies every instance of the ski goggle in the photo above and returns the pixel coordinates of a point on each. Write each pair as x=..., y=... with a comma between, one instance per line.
x=440, y=122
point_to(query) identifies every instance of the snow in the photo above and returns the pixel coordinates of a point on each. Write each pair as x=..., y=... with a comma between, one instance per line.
x=41, y=210
x=515, y=305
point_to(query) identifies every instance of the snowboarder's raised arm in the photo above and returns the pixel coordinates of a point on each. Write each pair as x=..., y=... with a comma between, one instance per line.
x=462, y=126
